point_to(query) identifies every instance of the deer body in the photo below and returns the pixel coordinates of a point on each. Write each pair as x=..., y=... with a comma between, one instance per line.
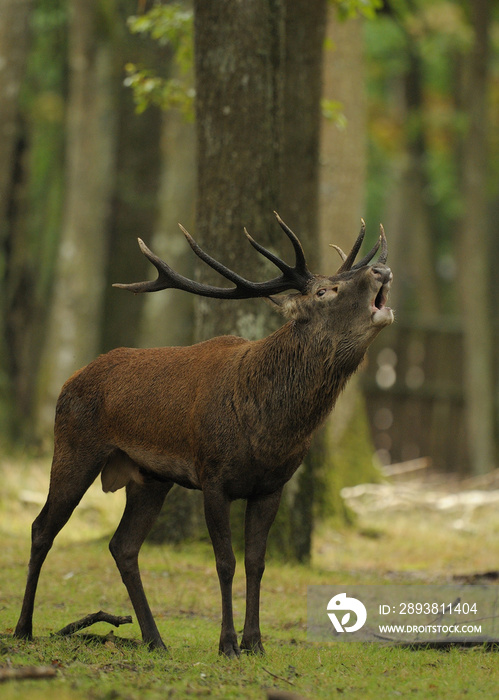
x=229, y=416
x=186, y=438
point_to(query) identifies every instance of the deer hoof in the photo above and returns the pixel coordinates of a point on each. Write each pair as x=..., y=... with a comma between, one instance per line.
x=229, y=649
x=157, y=645
x=255, y=647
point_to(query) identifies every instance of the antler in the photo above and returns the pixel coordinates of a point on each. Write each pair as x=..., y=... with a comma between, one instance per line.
x=296, y=277
x=349, y=259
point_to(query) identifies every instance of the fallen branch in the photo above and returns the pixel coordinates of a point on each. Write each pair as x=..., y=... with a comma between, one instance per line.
x=279, y=678
x=24, y=672
x=91, y=619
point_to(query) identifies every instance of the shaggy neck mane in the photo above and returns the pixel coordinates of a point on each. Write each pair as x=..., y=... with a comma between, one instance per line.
x=296, y=375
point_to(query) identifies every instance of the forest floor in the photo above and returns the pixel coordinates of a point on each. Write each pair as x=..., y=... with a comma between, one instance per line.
x=430, y=530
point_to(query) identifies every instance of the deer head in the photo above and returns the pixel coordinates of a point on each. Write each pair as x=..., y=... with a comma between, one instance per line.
x=355, y=296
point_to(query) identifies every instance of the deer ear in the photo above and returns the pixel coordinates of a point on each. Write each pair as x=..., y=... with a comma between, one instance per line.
x=273, y=301
x=286, y=304
x=277, y=303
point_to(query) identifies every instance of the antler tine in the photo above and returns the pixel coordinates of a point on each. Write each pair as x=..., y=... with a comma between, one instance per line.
x=384, y=246
x=215, y=264
x=382, y=256
x=367, y=258
x=337, y=248
x=300, y=271
x=300, y=262
x=349, y=260
x=167, y=278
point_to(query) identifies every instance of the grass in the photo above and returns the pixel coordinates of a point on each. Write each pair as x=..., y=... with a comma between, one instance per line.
x=80, y=577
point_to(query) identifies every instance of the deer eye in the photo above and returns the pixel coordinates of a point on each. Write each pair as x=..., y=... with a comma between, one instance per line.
x=324, y=290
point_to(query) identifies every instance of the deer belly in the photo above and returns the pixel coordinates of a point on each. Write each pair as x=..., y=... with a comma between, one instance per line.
x=141, y=466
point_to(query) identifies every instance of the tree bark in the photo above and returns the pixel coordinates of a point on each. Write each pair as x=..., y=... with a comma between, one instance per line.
x=238, y=60
x=74, y=325
x=475, y=252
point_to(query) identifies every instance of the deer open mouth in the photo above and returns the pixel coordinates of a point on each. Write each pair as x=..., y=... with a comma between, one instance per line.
x=382, y=314
x=381, y=297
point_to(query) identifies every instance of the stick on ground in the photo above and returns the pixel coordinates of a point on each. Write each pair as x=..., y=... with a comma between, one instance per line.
x=91, y=619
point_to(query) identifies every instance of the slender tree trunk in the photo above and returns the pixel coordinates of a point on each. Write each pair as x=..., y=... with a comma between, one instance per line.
x=14, y=43
x=413, y=235
x=168, y=319
x=135, y=202
x=305, y=26
x=474, y=278
x=74, y=325
x=343, y=167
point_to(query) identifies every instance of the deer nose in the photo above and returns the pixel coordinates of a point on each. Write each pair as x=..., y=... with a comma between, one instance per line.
x=382, y=273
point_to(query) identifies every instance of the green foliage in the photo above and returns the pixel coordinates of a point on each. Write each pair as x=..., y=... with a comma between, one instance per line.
x=348, y=9
x=149, y=89
x=332, y=110
x=170, y=26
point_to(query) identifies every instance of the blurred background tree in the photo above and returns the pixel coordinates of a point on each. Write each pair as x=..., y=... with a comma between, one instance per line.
x=103, y=139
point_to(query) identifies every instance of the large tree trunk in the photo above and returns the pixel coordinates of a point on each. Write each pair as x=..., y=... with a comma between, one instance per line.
x=14, y=42
x=238, y=59
x=474, y=279
x=239, y=92
x=74, y=326
x=258, y=93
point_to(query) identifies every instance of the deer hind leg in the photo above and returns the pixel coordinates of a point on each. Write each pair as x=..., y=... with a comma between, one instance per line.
x=69, y=480
x=260, y=514
x=217, y=515
x=143, y=504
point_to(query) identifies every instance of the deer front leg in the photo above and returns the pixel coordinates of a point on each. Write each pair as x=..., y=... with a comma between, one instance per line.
x=217, y=514
x=260, y=514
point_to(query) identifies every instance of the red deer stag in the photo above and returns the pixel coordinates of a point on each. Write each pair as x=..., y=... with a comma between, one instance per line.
x=229, y=416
